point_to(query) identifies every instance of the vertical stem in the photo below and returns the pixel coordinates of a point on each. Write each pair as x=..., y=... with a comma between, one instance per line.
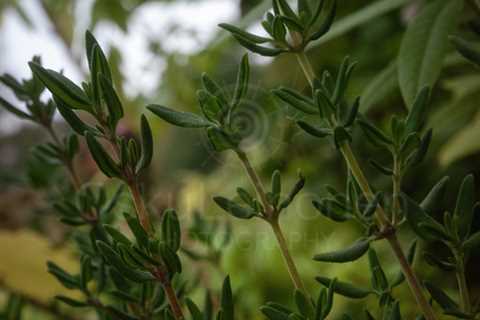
x=411, y=279
x=382, y=218
x=272, y=219
x=396, y=182
x=162, y=277
x=142, y=213
x=462, y=283
x=306, y=67
x=292, y=268
x=362, y=181
x=257, y=183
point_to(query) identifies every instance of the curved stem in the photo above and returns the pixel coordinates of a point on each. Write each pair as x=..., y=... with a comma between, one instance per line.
x=382, y=218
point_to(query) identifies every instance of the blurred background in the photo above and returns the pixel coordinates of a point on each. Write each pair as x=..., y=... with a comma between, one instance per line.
x=158, y=51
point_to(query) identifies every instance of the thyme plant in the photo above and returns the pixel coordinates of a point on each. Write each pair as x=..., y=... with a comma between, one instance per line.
x=139, y=277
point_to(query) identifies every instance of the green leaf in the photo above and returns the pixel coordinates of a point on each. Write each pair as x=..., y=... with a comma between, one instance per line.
x=345, y=289
x=71, y=117
x=117, y=235
x=467, y=49
x=140, y=234
x=303, y=304
x=226, y=301
x=116, y=261
x=473, y=242
x=220, y=140
x=210, y=105
x=351, y=253
x=421, y=223
x=273, y=313
x=326, y=23
x=98, y=68
x=244, y=34
x=181, y=119
x=214, y=89
x=276, y=183
x=115, y=109
x=10, y=108
x=295, y=190
x=379, y=279
x=261, y=50
x=194, y=310
x=316, y=132
x=435, y=197
x=171, y=234
x=296, y=100
x=234, y=209
x=61, y=86
x=242, y=81
x=425, y=45
x=440, y=297
x=67, y=280
x=416, y=115
x=101, y=157
x=71, y=302
x=147, y=145
x=464, y=207
x=375, y=135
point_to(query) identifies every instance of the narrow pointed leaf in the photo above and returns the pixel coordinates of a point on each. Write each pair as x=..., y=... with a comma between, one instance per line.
x=351, y=253
x=181, y=119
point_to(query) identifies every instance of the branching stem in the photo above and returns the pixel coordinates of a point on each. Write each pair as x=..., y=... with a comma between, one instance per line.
x=272, y=218
x=382, y=218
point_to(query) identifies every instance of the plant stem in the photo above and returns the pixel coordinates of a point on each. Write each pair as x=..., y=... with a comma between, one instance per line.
x=462, y=282
x=382, y=218
x=292, y=268
x=257, y=183
x=362, y=181
x=412, y=280
x=397, y=183
x=162, y=277
x=68, y=163
x=306, y=67
x=142, y=213
x=272, y=219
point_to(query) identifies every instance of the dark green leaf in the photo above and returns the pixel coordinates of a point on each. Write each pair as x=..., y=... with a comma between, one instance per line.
x=234, y=209
x=181, y=119
x=10, y=108
x=316, y=132
x=351, y=253
x=242, y=81
x=296, y=100
x=71, y=118
x=345, y=289
x=464, y=207
x=115, y=109
x=147, y=145
x=71, y=302
x=246, y=35
x=171, y=229
x=440, y=297
x=425, y=45
x=435, y=197
x=220, y=140
x=416, y=116
x=61, y=86
x=101, y=157
x=467, y=49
